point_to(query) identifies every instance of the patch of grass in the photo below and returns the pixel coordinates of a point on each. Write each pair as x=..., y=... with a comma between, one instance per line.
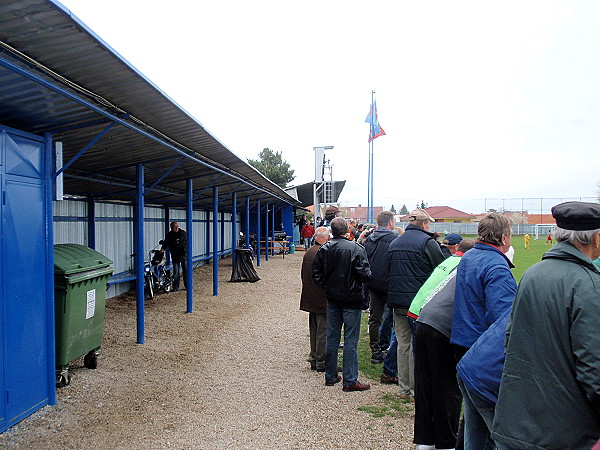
x=389, y=405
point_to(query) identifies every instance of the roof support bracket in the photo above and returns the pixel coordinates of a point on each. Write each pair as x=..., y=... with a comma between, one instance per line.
x=207, y=187
x=177, y=164
x=84, y=149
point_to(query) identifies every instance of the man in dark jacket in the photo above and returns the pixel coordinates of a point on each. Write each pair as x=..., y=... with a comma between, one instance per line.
x=550, y=389
x=412, y=257
x=176, y=242
x=376, y=247
x=340, y=268
x=314, y=301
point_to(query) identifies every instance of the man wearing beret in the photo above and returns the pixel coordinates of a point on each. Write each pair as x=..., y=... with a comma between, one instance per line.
x=550, y=390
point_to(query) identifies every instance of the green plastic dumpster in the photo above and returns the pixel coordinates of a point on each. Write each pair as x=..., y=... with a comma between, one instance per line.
x=80, y=276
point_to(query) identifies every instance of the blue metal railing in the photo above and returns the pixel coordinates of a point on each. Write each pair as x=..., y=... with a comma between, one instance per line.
x=129, y=275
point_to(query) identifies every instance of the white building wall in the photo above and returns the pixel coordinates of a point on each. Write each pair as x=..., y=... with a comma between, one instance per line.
x=114, y=231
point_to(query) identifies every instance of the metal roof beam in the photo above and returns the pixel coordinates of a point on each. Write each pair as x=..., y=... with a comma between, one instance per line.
x=80, y=126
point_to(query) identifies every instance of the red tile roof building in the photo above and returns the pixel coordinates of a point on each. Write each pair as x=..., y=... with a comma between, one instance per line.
x=445, y=214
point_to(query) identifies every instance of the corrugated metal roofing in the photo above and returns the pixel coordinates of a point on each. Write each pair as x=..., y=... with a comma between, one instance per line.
x=57, y=76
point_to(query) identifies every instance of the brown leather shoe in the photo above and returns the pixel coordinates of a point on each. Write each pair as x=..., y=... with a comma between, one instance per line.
x=358, y=386
x=388, y=380
x=331, y=383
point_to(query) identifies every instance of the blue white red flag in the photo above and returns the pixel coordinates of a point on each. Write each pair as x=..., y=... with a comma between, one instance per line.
x=373, y=120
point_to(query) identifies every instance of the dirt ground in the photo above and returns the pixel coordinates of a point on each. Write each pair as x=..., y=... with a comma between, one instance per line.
x=233, y=374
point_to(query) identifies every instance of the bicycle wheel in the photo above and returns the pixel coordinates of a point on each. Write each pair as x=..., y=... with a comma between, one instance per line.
x=167, y=281
x=148, y=288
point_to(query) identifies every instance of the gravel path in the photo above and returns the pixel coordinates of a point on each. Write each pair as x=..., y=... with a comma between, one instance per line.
x=231, y=375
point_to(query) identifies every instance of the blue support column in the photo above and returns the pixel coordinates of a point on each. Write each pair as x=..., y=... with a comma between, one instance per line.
x=138, y=250
x=267, y=232
x=273, y=226
x=258, y=233
x=215, y=240
x=207, y=235
x=91, y=222
x=189, y=291
x=49, y=268
x=167, y=229
x=234, y=232
x=248, y=222
x=222, y=235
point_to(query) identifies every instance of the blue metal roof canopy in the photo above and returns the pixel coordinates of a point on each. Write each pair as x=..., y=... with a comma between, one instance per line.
x=58, y=77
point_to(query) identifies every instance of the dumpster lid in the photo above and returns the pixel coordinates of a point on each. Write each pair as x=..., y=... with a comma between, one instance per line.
x=74, y=258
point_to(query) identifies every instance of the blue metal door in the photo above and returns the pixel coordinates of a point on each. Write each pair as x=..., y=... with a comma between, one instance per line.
x=23, y=279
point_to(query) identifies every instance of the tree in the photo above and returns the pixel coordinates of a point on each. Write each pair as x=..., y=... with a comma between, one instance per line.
x=423, y=205
x=518, y=218
x=392, y=209
x=404, y=210
x=273, y=166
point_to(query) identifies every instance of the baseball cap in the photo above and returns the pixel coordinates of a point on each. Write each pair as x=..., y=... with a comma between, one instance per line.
x=331, y=211
x=453, y=239
x=420, y=214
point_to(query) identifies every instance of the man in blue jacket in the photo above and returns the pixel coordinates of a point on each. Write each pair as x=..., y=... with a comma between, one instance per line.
x=485, y=286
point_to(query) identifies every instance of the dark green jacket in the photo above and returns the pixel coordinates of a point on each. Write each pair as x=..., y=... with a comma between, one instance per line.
x=550, y=390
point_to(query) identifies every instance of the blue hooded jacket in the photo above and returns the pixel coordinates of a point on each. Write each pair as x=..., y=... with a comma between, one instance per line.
x=485, y=289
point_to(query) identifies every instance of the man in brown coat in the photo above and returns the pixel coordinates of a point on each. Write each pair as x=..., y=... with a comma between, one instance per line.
x=314, y=301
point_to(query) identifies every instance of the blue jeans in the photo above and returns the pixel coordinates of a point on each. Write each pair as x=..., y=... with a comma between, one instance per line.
x=386, y=329
x=350, y=318
x=178, y=267
x=390, y=363
x=479, y=415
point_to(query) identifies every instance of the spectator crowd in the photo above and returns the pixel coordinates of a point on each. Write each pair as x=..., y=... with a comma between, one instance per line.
x=455, y=331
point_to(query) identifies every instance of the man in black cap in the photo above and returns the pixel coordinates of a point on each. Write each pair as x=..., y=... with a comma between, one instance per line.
x=331, y=212
x=550, y=389
x=450, y=244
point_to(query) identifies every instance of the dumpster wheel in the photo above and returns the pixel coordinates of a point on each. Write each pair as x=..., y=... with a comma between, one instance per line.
x=90, y=360
x=63, y=378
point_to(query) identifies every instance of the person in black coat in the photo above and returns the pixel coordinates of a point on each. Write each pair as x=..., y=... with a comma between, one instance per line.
x=341, y=268
x=176, y=242
x=376, y=246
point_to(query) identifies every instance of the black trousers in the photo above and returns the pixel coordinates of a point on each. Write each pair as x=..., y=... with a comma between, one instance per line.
x=437, y=395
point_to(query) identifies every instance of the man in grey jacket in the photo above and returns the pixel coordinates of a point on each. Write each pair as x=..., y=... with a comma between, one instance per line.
x=550, y=390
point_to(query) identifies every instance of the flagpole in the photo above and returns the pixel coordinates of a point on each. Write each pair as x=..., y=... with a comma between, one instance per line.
x=371, y=213
x=369, y=179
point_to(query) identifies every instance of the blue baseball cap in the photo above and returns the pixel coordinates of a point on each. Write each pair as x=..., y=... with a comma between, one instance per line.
x=453, y=239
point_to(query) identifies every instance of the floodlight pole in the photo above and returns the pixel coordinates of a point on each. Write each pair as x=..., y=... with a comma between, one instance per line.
x=319, y=168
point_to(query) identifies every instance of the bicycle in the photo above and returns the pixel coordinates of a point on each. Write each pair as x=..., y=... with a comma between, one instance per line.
x=149, y=282
x=161, y=278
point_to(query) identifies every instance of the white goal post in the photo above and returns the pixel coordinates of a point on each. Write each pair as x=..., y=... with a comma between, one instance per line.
x=542, y=229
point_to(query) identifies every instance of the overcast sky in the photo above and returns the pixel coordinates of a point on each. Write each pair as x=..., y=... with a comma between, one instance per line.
x=478, y=99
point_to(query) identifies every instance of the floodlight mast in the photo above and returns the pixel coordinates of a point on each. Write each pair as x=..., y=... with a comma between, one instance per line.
x=319, y=181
